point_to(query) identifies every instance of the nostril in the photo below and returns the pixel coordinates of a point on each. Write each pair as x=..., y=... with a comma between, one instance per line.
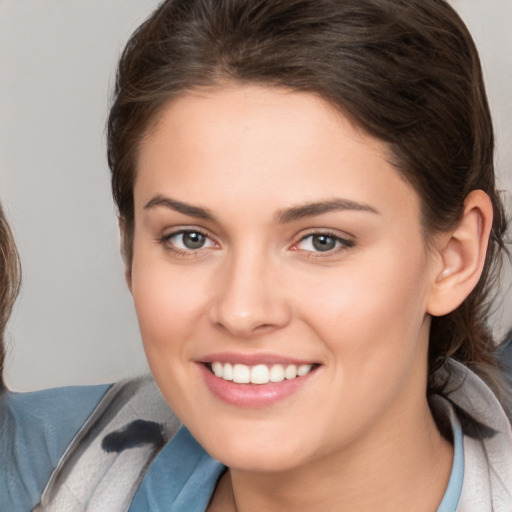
x=264, y=327
x=244, y=329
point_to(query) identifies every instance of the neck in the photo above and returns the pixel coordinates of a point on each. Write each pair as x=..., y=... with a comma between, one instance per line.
x=407, y=469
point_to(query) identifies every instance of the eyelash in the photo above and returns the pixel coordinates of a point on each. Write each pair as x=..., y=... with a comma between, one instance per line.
x=341, y=244
x=165, y=241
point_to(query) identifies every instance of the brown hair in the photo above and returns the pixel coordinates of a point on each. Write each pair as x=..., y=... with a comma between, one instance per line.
x=10, y=276
x=407, y=71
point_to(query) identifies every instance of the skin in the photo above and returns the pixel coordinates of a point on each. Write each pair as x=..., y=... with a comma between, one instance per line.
x=358, y=434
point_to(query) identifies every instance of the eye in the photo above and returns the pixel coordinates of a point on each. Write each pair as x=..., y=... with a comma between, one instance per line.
x=187, y=240
x=322, y=242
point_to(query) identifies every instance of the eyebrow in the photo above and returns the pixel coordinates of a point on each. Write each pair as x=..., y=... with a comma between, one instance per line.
x=321, y=207
x=282, y=217
x=180, y=207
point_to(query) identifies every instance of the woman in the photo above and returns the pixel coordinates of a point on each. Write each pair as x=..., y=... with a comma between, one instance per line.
x=310, y=229
x=310, y=224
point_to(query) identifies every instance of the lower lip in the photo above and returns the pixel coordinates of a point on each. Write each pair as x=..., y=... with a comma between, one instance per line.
x=252, y=395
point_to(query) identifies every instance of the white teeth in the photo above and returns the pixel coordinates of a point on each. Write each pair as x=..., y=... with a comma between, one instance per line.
x=217, y=369
x=241, y=374
x=304, y=369
x=227, y=372
x=277, y=373
x=258, y=374
x=290, y=372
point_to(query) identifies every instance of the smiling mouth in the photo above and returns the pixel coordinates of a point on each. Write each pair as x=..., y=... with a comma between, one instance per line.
x=260, y=373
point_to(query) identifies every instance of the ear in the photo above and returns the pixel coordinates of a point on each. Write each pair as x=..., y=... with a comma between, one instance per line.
x=462, y=256
x=127, y=265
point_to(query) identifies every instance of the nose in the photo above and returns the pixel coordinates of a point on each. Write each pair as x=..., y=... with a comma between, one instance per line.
x=250, y=299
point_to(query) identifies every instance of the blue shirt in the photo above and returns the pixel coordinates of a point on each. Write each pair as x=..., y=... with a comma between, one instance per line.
x=454, y=489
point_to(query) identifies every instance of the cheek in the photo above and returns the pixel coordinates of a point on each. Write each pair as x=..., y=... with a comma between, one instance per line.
x=169, y=306
x=369, y=297
x=373, y=311
x=168, y=303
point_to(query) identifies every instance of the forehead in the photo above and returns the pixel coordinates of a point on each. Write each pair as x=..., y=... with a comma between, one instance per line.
x=258, y=142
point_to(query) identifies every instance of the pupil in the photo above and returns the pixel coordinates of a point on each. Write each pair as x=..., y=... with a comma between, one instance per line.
x=323, y=243
x=193, y=240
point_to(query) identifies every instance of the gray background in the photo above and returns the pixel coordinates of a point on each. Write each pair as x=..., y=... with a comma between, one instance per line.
x=74, y=321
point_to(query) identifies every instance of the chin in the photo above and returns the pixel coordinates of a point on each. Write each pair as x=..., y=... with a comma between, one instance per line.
x=258, y=461
x=266, y=450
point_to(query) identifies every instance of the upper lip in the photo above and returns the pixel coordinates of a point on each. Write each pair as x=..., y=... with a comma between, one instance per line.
x=253, y=359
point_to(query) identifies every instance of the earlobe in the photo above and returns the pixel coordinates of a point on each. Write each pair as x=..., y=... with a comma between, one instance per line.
x=127, y=265
x=462, y=256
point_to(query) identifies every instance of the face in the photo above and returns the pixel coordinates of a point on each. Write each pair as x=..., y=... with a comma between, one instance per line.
x=280, y=278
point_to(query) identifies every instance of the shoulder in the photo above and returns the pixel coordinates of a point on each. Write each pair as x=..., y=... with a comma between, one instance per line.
x=132, y=453
x=487, y=432
x=108, y=457
x=35, y=429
